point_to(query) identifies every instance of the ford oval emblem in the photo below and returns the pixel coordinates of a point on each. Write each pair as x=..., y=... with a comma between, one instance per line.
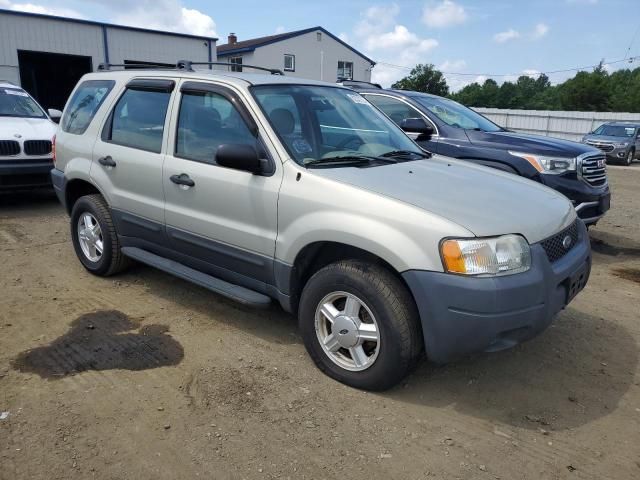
x=566, y=242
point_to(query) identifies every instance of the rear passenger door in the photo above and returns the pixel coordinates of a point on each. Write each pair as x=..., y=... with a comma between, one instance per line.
x=227, y=218
x=128, y=157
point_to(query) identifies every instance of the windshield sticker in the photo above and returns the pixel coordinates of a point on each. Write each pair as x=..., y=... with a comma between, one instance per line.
x=16, y=92
x=300, y=145
x=357, y=99
x=629, y=131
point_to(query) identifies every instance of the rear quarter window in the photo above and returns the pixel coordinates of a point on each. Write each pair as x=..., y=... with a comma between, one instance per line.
x=84, y=104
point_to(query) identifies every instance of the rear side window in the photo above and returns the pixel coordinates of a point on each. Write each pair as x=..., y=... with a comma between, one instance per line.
x=84, y=104
x=206, y=121
x=137, y=120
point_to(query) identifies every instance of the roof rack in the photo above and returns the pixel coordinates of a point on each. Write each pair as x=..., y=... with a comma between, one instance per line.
x=136, y=66
x=188, y=65
x=347, y=82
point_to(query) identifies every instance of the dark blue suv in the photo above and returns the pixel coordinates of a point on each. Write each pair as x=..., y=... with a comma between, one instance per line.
x=445, y=127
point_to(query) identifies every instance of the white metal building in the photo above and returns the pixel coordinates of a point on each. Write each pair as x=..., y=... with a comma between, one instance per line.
x=47, y=55
x=313, y=53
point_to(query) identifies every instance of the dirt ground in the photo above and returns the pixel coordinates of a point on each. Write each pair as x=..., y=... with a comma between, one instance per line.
x=146, y=376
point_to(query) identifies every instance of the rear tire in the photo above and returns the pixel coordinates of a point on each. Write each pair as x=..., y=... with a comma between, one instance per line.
x=94, y=237
x=384, y=329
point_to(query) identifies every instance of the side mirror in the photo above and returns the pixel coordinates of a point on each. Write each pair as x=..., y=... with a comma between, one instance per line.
x=239, y=156
x=416, y=125
x=55, y=114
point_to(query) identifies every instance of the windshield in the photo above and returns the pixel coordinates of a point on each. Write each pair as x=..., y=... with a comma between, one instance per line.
x=320, y=124
x=615, y=131
x=456, y=115
x=17, y=103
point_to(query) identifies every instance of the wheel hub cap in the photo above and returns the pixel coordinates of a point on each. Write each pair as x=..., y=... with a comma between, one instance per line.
x=347, y=333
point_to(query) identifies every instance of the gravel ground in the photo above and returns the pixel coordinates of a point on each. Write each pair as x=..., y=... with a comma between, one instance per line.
x=146, y=376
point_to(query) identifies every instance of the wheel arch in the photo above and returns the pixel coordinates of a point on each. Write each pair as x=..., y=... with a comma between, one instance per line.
x=316, y=255
x=76, y=188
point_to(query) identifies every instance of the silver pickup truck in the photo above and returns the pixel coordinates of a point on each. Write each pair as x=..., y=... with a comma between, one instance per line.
x=262, y=187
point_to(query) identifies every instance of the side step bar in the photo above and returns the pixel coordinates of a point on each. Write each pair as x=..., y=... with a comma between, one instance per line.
x=234, y=292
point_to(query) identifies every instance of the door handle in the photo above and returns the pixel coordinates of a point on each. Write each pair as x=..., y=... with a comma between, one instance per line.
x=182, y=180
x=107, y=161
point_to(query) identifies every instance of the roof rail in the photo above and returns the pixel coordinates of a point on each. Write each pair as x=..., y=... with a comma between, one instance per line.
x=135, y=66
x=347, y=82
x=188, y=65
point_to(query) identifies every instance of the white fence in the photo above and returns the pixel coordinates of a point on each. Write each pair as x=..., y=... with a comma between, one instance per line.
x=569, y=125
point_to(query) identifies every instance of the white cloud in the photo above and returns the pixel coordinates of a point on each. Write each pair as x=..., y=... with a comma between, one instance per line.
x=400, y=37
x=507, y=35
x=279, y=29
x=452, y=65
x=540, y=30
x=387, y=41
x=169, y=15
x=344, y=37
x=531, y=72
x=33, y=8
x=444, y=14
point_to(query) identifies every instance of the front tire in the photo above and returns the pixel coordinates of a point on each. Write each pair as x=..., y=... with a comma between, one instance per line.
x=94, y=237
x=360, y=324
x=629, y=159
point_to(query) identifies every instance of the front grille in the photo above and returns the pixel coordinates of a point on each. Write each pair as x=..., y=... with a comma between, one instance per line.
x=553, y=246
x=37, y=147
x=9, y=147
x=593, y=169
x=605, y=147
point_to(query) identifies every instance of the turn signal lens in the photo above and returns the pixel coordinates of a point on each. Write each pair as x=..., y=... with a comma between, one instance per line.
x=504, y=255
x=53, y=150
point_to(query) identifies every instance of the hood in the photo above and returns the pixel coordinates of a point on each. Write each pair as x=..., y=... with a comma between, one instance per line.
x=608, y=139
x=28, y=128
x=523, y=142
x=483, y=200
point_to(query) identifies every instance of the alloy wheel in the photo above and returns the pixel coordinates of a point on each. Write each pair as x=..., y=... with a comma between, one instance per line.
x=347, y=331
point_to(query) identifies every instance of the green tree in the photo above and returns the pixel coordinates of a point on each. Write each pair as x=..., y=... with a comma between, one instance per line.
x=424, y=78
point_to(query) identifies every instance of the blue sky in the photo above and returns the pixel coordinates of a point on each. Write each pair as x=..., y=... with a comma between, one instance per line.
x=459, y=36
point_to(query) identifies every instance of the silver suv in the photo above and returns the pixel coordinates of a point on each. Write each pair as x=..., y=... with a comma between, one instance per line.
x=262, y=187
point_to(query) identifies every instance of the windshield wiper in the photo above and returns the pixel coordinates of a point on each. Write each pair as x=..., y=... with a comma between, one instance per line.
x=405, y=153
x=347, y=160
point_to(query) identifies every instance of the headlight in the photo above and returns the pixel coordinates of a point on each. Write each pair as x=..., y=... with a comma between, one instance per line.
x=552, y=165
x=502, y=255
x=621, y=145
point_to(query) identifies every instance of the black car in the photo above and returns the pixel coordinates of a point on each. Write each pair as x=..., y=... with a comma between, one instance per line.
x=445, y=127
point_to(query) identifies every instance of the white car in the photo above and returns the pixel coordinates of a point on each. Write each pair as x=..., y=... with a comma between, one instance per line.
x=26, y=140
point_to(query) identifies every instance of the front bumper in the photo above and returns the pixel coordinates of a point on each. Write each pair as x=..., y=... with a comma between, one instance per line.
x=591, y=202
x=23, y=174
x=462, y=315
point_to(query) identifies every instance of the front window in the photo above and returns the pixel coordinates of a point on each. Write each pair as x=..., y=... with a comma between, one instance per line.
x=393, y=108
x=207, y=120
x=320, y=125
x=236, y=64
x=15, y=102
x=456, y=115
x=615, y=131
x=345, y=70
